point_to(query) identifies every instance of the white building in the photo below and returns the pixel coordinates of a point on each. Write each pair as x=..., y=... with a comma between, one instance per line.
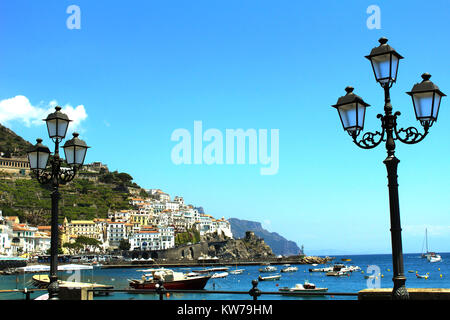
x=6, y=236
x=116, y=232
x=167, y=237
x=120, y=216
x=146, y=239
x=23, y=238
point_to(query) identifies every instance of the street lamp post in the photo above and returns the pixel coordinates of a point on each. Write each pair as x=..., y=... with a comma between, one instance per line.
x=55, y=175
x=426, y=98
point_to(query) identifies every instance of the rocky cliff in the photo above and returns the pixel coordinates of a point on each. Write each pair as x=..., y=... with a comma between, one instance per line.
x=279, y=244
x=249, y=247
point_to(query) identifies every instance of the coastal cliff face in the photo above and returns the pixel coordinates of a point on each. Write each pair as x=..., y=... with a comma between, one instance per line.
x=249, y=247
x=279, y=245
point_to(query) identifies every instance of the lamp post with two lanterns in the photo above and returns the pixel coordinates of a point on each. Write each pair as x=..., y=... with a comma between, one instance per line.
x=426, y=99
x=55, y=175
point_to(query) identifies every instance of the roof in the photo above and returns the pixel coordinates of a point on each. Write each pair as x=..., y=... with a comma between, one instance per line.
x=82, y=222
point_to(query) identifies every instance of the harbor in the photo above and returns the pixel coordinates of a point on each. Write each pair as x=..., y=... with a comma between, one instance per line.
x=348, y=286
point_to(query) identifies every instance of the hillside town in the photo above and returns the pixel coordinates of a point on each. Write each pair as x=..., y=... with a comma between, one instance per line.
x=152, y=224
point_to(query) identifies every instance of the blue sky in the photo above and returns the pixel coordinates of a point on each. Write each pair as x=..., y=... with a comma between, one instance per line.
x=142, y=69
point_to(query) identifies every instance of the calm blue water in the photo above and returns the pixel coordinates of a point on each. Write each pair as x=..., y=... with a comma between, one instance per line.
x=353, y=283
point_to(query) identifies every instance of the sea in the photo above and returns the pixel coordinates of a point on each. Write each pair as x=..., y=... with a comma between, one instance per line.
x=379, y=265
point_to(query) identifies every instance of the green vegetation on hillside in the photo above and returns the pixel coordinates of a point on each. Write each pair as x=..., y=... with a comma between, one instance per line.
x=81, y=199
x=11, y=144
x=192, y=236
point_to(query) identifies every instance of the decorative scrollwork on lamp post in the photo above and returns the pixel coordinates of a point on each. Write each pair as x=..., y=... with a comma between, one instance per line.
x=426, y=98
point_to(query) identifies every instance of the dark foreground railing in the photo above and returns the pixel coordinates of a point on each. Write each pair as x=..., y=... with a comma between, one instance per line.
x=26, y=292
x=254, y=292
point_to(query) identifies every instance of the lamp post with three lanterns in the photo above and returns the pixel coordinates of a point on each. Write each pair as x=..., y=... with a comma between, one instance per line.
x=426, y=99
x=55, y=175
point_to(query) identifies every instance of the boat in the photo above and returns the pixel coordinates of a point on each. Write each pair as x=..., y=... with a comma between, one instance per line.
x=171, y=280
x=289, y=269
x=268, y=269
x=43, y=268
x=237, y=271
x=327, y=269
x=269, y=278
x=433, y=257
x=211, y=270
x=337, y=273
x=42, y=281
x=429, y=255
x=192, y=274
x=369, y=277
x=303, y=288
x=425, y=276
x=219, y=275
x=346, y=260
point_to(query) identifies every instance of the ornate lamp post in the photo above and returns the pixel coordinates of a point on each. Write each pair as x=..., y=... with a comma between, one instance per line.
x=426, y=98
x=38, y=157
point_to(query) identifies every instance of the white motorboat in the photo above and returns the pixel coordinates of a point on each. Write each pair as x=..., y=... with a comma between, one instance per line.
x=289, y=269
x=434, y=258
x=219, y=275
x=237, y=271
x=337, y=273
x=268, y=269
x=269, y=278
x=303, y=288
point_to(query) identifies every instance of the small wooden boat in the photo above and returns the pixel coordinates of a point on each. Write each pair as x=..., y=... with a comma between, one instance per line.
x=303, y=288
x=346, y=260
x=289, y=269
x=270, y=278
x=42, y=281
x=171, y=280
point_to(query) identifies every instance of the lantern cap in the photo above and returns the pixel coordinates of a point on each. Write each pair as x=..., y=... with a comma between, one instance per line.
x=383, y=48
x=39, y=147
x=57, y=115
x=425, y=86
x=350, y=97
x=75, y=142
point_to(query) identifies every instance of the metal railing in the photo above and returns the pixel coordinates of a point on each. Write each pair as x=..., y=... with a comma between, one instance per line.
x=254, y=292
x=27, y=292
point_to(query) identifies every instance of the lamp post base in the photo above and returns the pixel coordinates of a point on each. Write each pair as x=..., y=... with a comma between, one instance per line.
x=399, y=292
x=53, y=290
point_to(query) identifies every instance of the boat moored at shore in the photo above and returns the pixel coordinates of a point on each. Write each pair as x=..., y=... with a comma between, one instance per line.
x=171, y=280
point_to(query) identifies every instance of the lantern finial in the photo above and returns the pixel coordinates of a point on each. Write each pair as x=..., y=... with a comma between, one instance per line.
x=349, y=89
x=382, y=40
x=38, y=140
x=426, y=76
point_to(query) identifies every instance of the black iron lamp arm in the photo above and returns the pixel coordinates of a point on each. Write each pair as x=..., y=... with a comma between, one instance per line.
x=368, y=140
x=67, y=175
x=412, y=134
x=55, y=174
